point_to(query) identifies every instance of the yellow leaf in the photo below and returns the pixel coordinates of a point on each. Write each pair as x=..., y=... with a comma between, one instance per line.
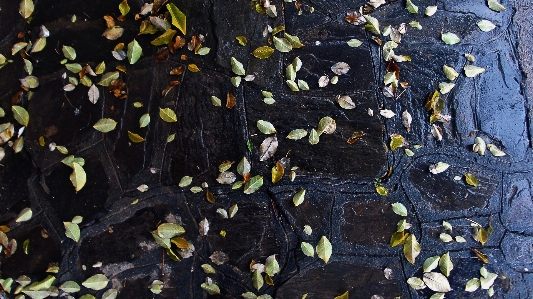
x=277, y=172
x=135, y=137
x=178, y=18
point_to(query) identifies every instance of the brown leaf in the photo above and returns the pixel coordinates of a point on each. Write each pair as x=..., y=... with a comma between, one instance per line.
x=177, y=71
x=116, y=87
x=219, y=257
x=196, y=42
x=268, y=148
x=161, y=55
x=355, y=18
x=392, y=67
x=110, y=22
x=355, y=136
x=231, y=101
x=157, y=6
x=210, y=197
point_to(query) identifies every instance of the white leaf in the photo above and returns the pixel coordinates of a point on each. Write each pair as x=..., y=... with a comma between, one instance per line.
x=142, y=188
x=345, y=102
x=437, y=282
x=226, y=177
x=406, y=120
x=340, y=68
x=94, y=94
x=438, y=167
x=203, y=227
x=268, y=148
x=486, y=25
x=472, y=70
x=323, y=81
x=24, y=215
x=387, y=113
x=437, y=132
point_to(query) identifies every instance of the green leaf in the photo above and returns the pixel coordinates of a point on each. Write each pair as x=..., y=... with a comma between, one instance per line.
x=24, y=215
x=249, y=295
x=343, y=296
x=263, y=52
x=185, y=181
x=124, y=7
x=96, y=282
x=178, y=18
x=216, y=101
x=472, y=285
x=324, y=249
x=265, y=127
x=170, y=230
x=134, y=137
x=411, y=249
x=292, y=85
x=486, y=25
x=450, y=73
x=445, y=264
x=108, y=77
x=444, y=237
x=271, y=265
x=242, y=40
x=293, y=40
x=472, y=70
x=69, y=52
x=42, y=285
x=203, y=51
x=450, y=38
x=411, y=7
x=236, y=81
x=30, y=81
x=105, y=125
x=253, y=184
x=208, y=269
x=282, y=44
x=313, y=137
x=78, y=176
x=308, y=249
x=26, y=8
x=431, y=263
x=237, y=67
x=396, y=141
x=70, y=287
x=39, y=45
x=437, y=296
x=233, y=210
x=495, y=151
x=471, y=180
x=244, y=166
x=21, y=115
x=110, y=294
x=72, y=231
x=431, y=10
x=164, y=38
x=326, y=125
x=303, y=85
x=382, y=190
x=211, y=289
x=144, y=120
x=416, y=283
x=77, y=219
x=297, y=134
x=17, y=47
x=399, y=209
x=257, y=280
x=495, y=5
x=372, y=24
x=298, y=198
x=74, y=67
x=134, y=51
x=354, y=43
x=168, y=115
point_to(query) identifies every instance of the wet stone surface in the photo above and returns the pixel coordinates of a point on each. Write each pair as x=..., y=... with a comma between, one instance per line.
x=340, y=179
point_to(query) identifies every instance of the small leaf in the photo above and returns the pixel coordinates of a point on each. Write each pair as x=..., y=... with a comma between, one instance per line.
x=105, y=125
x=271, y=265
x=268, y=148
x=185, y=181
x=134, y=51
x=308, y=249
x=110, y=294
x=471, y=180
x=438, y=167
x=343, y=296
x=203, y=51
x=69, y=52
x=216, y=101
x=387, y=113
x=292, y=85
x=416, y=283
x=299, y=198
x=17, y=47
x=70, y=287
x=396, y=141
x=495, y=151
x=113, y=33
x=460, y=239
x=108, y=77
x=411, y=7
x=495, y=5
x=168, y=115
x=144, y=120
x=293, y=40
x=450, y=73
x=277, y=172
x=472, y=70
x=340, y=68
x=372, y=24
x=165, y=38
x=24, y=215
x=354, y=43
x=486, y=25
x=431, y=10
x=297, y=134
x=178, y=18
x=324, y=249
x=445, y=237
x=74, y=67
x=170, y=230
x=30, y=81
x=411, y=249
x=326, y=125
x=39, y=45
x=233, y=210
x=244, y=166
x=282, y=44
x=445, y=87
x=450, y=38
x=437, y=296
x=431, y=263
x=399, y=209
x=263, y=52
x=203, y=227
x=78, y=176
x=124, y=7
x=303, y=85
x=21, y=115
x=345, y=102
x=382, y=191
x=94, y=94
x=313, y=137
x=472, y=285
x=242, y=40
x=26, y=8
x=488, y=280
x=249, y=295
x=237, y=67
x=72, y=231
x=437, y=282
x=265, y=127
x=134, y=137
x=226, y=177
x=445, y=264
x=253, y=184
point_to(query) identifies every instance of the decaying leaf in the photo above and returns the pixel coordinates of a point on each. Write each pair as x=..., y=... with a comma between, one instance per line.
x=277, y=172
x=231, y=101
x=324, y=249
x=323, y=81
x=226, y=177
x=406, y=120
x=355, y=18
x=203, y=227
x=437, y=282
x=268, y=148
x=340, y=68
x=450, y=38
x=445, y=87
x=355, y=136
x=411, y=249
x=326, y=125
x=345, y=102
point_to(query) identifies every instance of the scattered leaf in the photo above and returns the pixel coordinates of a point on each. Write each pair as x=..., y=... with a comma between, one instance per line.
x=396, y=141
x=105, y=125
x=21, y=115
x=354, y=43
x=39, y=45
x=486, y=25
x=26, y=8
x=495, y=151
x=297, y=134
x=387, y=113
x=445, y=264
x=237, y=67
x=313, y=137
x=399, y=209
x=438, y=167
x=340, y=68
x=253, y=184
x=168, y=115
x=343, y=296
x=445, y=87
x=345, y=102
x=170, y=230
x=411, y=249
x=265, y=127
x=277, y=172
x=24, y=215
x=107, y=78
x=179, y=20
x=472, y=70
x=134, y=51
x=437, y=282
x=411, y=7
x=450, y=38
x=307, y=249
x=124, y=7
x=282, y=44
x=324, y=249
x=431, y=10
x=203, y=227
x=431, y=263
x=326, y=125
x=416, y=283
x=472, y=285
x=382, y=190
x=471, y=180
x=450, y=73
x=69, y=52
x=72, y=231
x=263, y=52
x=372, y=24
x=495, y=5
x=299, y=198
x=78, y=176
x=268, y=148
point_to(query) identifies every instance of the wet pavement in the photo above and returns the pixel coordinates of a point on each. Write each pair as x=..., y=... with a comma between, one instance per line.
x=340, y=179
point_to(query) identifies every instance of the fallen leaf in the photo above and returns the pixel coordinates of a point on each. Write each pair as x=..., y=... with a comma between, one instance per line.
x=416, y=283
x=471, y=180
x=495, y=5
x=263, y=52
x=313, y=137
x=237, y=67
x=340, y=68
x=105, y=125
x=265, y=127
x=326, y=125
x=450, y=73
x=486, y=25
x=297, y=134
x=345, y=102
x=72, y=231
x=450, y=38
x=226, y=177
x=26, y=8
x=387, y=113
x=431, y=263
x=307, y=249
x=268, y=148
x=21, y=115
x=24, y=215
x=354, y=43
x=495, y=151
x=253, y=185
x=411, y=249
x=472, y=285
x=437, y=282
x=298, y=198
x=96, y=282
x=399, y=209
x=431, y=10
x=277, y=172
x=282, y=44
x=231, y=101
x=203, y=227
x=445, y=264
x=324, y=249
x=472, y=70
x=168, y=115
x=438, y=167
x=178, y=18
x=411, y=7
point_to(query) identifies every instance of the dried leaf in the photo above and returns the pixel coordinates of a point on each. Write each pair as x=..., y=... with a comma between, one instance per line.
x=203, y=227
x=437, y=282
x=431, y=10
x=450, y=38
x=263, y=52
x=231, y=101
x=472, y=70
x=323, y=81
x=30, y=82
x=411, y=249
x=233, y=210
x=298, y=198
x=94, y=94
x=244, y=167
x=345, y=102
x=340, y=68
x=406, y=120
x=226, y=177
x=265, y=127
x=105, y=125
x=445, y=237
x=396, y=141
x=282, y=44
x=437, y=132
x=326, y=125
x=471, y=180
x=324, y=249
x=210, y=197
x=416, y=283
x=179, y=20
x=277, y=172
x=268, y=148
x=387, y=113
x=445, y=264
x=26, y=8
